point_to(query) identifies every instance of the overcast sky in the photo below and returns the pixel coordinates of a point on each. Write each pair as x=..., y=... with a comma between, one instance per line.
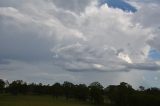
x=81, y=41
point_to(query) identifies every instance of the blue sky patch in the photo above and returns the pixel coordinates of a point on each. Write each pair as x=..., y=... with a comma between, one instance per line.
x=154, y=54
x=119, y=4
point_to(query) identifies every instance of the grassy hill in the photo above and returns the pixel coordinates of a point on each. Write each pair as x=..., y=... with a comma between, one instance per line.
x=8, y=100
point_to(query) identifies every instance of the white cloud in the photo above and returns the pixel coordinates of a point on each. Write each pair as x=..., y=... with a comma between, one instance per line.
x=125, y=57
x=107, y=31
x=90, y=38
x=98, y=35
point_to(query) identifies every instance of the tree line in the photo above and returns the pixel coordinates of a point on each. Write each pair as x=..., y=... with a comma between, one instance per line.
x=113, y=95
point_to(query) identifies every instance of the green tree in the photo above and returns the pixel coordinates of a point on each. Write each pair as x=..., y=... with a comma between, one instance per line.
x=17, y=87
x=81, y=92
x=120, y=95
x=96, y=93
x=68, y=89
x=2, y=85
x=56, y=90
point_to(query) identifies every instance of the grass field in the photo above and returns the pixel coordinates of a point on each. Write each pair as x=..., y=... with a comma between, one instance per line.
x=8, y=100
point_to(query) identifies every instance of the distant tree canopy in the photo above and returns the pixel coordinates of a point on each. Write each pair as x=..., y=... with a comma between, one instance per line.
x=17, y=87
x=113, y=95
x=96, y=93
x=56, y=90
x=2, y=85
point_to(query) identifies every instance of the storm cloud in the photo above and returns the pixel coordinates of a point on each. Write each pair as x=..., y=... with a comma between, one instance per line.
x=60, y=38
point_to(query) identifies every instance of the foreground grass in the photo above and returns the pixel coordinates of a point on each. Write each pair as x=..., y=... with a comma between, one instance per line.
x=8, y=100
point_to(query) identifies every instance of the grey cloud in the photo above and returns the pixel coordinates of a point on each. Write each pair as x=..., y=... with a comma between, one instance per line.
x=4, y=62
x=154, y=42
x=73, y=44
x=77, y=36
x=146, y=16
x=123, y=67
x=23, y=43
x=77, y=6
x=47, y=73
x=144, y=66
x=11, y=3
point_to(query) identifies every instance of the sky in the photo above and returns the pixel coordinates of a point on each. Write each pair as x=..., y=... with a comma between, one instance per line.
x=81, y=41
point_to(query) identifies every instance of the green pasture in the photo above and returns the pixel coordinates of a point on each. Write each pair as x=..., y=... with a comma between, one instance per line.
x=21, y=100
